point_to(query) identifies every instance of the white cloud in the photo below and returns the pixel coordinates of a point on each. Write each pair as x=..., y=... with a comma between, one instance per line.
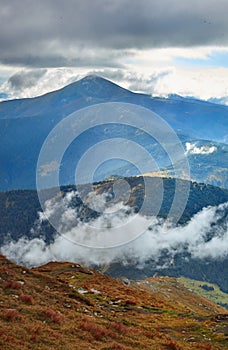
x=205, y=235
x=191, y=148
x=47, y=169
x=155, y=71
x=53, y=79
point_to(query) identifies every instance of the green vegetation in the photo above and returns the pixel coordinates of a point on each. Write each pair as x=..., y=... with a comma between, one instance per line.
x=208, y=290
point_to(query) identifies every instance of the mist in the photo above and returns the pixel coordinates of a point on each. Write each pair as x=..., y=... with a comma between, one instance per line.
x=120, y=235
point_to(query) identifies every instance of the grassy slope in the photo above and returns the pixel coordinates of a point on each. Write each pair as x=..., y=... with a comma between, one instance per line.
x=43, y=308
x=215, y=294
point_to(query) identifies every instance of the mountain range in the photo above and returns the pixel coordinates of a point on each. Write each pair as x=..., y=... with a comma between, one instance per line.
x=25, y=123
x=200, y=126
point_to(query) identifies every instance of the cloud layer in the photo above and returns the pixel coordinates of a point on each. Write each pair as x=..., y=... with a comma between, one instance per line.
x=205, y=235
x=156, y=47
x=52, y=33
x=191, y=148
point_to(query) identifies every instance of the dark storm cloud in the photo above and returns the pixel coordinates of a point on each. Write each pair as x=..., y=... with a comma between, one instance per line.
x=57, y=33
x=23, y=80
x=136, y=82
x=45, y=60
x=147, y=84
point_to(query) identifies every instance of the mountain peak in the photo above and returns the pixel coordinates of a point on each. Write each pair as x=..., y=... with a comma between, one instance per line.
x=96, y=86
x=93, y=77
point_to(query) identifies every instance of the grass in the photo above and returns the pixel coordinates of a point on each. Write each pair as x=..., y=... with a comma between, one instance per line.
x=47, y=312
x=213, y=293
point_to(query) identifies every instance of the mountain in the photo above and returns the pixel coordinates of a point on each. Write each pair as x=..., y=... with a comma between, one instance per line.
x=19, y=209
x=208, y=162
x=25, y=124
x=188, y=116
x=87, y=91
x=20, y=220
x=66, y=306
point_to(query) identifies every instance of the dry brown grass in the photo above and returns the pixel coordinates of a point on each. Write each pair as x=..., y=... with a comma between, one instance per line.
x=26, y=298
x=42, y=308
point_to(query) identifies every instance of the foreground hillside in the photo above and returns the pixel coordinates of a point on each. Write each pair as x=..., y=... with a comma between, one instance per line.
x=65, y=306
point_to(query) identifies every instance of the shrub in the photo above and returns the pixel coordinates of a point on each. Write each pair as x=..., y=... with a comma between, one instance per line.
x=130, y=302
x=148, y=334
x=53, y=315
x=11, y=314
x=26, y=298
x=13, y=285
x=118, y=327
x=97, y=331
x=7, y=270
x=172, y=345
x=35, y=332
x=204, y=346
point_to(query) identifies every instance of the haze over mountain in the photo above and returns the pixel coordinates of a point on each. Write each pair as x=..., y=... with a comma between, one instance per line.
x=25, y=123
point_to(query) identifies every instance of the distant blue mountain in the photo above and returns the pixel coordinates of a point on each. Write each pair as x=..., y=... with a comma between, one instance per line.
x=3, y=95
x=25, y=123
x=208, y=162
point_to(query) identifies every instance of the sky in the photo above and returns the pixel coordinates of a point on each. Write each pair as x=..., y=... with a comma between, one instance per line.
x=156, y=47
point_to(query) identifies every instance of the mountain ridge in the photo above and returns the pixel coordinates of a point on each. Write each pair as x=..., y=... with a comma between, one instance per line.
x=85, y=87
x=25, y=124
x=97, y=79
